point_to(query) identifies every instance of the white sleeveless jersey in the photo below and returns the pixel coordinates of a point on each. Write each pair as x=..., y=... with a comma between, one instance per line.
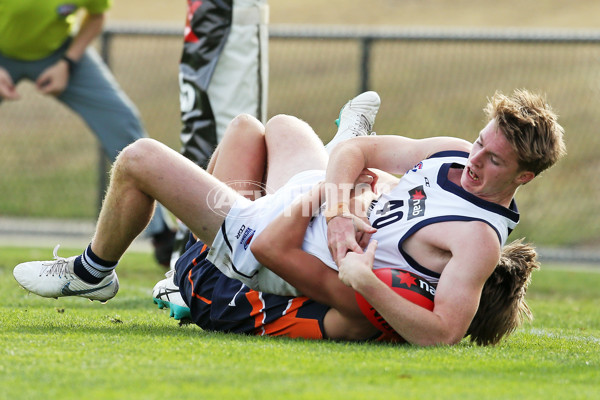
x=422, y=197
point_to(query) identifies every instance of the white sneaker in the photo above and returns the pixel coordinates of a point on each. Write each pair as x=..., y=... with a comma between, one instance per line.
x=356, y=118
x=166, y=294
x=57, y=279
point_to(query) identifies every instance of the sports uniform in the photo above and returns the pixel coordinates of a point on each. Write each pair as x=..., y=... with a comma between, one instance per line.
x=423, y=196
x=246, y=219
x=222, y=304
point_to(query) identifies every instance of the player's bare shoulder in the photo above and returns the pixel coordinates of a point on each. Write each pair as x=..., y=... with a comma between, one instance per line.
x=475, y=243
x=444, y=143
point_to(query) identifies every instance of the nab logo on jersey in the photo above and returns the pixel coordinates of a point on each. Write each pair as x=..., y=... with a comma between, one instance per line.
x=416, y=203
x=416, y=167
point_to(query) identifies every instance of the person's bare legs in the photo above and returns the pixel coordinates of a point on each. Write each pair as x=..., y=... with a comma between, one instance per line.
x=145, y=171
x=292, y=147
x=240, y=158
x=148, y=170
x=286, y=146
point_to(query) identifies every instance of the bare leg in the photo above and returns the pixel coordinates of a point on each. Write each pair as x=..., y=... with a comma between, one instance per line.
x=292, y=147
x=241, y=156
x=147, y=170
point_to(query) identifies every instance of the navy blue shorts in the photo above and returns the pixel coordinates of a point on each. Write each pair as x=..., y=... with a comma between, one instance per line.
x=219, y=303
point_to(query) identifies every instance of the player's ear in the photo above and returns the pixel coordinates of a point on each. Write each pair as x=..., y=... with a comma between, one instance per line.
x=524, y=177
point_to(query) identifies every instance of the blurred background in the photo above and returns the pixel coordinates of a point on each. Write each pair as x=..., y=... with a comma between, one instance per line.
x=433, y=62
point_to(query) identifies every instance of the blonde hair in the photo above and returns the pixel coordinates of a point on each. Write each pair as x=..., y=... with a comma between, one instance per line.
x=530, y=125
x=502, y=307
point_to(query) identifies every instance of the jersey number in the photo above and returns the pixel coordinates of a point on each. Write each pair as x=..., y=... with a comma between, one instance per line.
x=389, y=218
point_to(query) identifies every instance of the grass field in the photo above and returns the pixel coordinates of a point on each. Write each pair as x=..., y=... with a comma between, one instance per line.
x=128, y=349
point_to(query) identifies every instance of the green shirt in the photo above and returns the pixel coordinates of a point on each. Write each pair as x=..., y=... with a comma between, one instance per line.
x=32, y=29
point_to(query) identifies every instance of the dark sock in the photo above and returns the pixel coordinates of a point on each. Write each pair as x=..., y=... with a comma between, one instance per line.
x=91, y=268
x=83, y=273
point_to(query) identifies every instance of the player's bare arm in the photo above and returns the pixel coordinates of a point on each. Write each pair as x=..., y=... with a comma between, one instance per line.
x=474, y=251
x=279, y=248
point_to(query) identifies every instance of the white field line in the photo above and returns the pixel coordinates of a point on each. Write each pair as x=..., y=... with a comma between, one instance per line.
x=555, y=335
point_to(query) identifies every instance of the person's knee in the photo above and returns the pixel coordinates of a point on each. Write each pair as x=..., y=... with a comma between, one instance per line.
x=292, y=133
x=340, y=326
x=284, y=123
x=134, y=158
x=247, y=122
x=245, y=127
x=289, y=127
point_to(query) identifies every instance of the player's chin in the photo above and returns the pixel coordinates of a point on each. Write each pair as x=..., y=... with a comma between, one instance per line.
x=471, y=186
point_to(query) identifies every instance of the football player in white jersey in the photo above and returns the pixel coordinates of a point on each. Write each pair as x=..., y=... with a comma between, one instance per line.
x=521, y=139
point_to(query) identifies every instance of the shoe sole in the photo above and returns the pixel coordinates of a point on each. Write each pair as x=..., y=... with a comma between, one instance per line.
x=175, y=311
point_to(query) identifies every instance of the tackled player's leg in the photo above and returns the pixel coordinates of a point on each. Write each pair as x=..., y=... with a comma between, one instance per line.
x=145, y=171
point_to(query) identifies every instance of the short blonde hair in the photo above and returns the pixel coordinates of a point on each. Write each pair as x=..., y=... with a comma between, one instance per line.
x=531, y=127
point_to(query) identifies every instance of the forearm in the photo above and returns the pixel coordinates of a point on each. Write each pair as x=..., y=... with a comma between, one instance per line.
x=414, y=323
x=91, y=27
x=287, y=230
x=457, y=292
x=345, y=165
x=279, y=248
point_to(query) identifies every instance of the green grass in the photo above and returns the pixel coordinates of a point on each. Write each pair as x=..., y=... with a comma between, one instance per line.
x=128, y=349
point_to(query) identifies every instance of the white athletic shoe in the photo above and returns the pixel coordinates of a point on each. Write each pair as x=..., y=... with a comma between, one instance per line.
x=57, y=279
x=356, y=118
x=166, y=294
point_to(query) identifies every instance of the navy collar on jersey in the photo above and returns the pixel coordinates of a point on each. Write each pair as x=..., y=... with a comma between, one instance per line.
x=511, y=213
x=450, y=153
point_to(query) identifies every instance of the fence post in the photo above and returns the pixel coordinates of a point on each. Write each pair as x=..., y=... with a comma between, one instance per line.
x=365, y=61
x=103, y=163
